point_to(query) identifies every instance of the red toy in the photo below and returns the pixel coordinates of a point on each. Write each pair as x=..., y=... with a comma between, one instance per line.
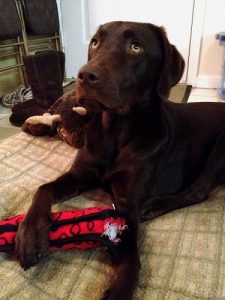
x=81, y=228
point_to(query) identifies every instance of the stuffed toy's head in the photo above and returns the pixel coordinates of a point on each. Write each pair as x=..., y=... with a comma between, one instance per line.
x=65, y=118
x=74, y=119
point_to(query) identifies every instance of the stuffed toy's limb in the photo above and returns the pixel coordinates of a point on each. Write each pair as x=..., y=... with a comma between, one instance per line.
x=74, y=119
x=71, y=130
x=41, y=125
x=47, y=123
x=81, y=229
x=70, y=137
x=80, y=110
x=46, y=119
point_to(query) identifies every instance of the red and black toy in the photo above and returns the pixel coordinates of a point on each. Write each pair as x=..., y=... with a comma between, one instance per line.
x=81, y=228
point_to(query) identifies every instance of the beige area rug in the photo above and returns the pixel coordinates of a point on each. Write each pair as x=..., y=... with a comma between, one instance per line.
x=182, y=253
x=180, y=93
x=6, y=132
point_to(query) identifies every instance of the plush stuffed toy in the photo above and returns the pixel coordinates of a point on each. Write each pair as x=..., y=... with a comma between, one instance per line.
x=64, y=118
x=81, y=229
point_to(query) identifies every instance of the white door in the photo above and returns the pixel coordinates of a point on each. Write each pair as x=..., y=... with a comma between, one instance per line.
x=81, y=18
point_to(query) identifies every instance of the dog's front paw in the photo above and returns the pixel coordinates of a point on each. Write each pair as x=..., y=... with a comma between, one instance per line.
x=32, y=241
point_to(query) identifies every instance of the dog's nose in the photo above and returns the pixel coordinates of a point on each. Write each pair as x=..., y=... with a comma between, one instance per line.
x=88, y=74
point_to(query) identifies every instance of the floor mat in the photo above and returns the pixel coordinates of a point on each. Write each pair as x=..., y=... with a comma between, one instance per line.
x=7, y=132
x=180, y=93
x=182, y=253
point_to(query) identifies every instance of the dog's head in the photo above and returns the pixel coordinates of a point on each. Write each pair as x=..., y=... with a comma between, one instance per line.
x=128, y=63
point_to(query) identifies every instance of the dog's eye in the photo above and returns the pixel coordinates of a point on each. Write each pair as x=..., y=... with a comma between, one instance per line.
x=94, y=43
x=136, y=47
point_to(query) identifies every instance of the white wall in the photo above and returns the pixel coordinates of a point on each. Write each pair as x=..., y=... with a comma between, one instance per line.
x=80, y=18
x=204, y=65
x=210, y=59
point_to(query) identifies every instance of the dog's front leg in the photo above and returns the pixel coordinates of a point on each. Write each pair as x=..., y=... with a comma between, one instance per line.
x=126, y=265
x=126, y=262
x=31, y=241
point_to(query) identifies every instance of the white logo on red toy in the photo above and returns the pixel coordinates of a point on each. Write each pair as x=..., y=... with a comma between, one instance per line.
x=112, y=230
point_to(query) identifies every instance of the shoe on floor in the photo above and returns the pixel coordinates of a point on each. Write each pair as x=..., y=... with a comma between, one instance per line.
x=21, y=94
x=19, y=117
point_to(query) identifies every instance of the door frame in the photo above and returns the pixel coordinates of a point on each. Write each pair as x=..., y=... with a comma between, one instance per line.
x=195, y=41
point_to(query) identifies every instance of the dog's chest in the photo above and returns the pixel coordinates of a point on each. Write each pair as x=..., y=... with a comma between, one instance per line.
x=114, y=136
x=169, y=175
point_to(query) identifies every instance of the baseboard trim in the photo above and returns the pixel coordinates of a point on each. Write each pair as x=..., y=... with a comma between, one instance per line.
x=208, y=81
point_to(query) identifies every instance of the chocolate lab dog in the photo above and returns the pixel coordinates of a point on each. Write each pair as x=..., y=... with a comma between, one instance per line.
x=152, y=155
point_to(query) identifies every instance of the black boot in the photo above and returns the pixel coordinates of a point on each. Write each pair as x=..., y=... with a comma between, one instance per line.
x=45, y=73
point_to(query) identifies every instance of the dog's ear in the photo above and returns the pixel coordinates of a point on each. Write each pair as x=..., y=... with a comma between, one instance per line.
x=172, y=66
